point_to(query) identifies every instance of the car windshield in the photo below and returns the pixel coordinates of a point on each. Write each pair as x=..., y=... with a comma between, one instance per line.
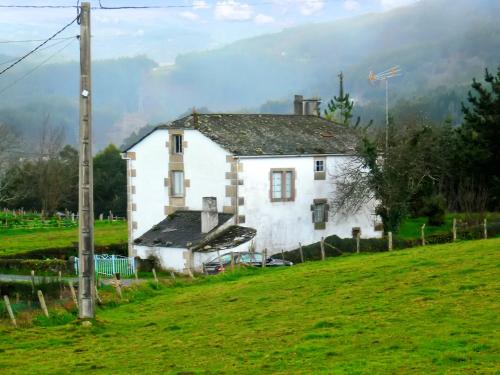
x=250, y=258
x=224, y=259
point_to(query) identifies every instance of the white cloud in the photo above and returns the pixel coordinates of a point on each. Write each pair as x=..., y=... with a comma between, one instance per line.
x=200, y=4
x=309, y=7
x=263, y=19
x=189, y=16
x=230, y=10
x=351, y=5
x=389, y=4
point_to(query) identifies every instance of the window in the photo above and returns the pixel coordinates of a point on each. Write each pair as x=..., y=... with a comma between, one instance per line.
x=177, y=144
x=177, y=183
x=320, y=213
x=282, y=185
x=319, y=168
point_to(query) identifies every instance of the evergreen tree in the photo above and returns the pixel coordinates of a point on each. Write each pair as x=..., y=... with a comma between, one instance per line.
x=480, y=136
x=339, y=109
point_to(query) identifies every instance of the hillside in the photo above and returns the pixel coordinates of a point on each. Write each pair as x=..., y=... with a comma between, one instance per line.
x=436, y=43
x=439, y=44
x=421, y=311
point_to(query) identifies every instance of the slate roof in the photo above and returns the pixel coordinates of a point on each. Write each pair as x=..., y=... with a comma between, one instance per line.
x=183, y=230
x=261, y=134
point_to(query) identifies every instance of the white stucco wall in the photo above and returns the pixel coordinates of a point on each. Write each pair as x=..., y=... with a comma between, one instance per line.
x=176, y=259
x=171, y=258
x=151, y=166
x=282, y=225
x=205, y=167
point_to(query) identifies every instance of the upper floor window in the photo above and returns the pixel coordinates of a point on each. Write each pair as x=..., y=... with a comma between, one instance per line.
x=282, y=185
x=319, y=168
x=177, y=144
x=319, y=165
x=177, y=183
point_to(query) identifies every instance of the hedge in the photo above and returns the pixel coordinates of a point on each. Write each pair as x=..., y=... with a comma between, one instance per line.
x=335, y=246
x=67, y=252
x=25, y=266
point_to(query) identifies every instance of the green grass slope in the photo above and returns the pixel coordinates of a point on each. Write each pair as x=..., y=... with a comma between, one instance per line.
x=16, y=241
x=430, y=310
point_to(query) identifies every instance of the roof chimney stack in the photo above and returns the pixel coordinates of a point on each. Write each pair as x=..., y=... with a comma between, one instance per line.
x=209, y=215
x=312, y=106
x=298, y=105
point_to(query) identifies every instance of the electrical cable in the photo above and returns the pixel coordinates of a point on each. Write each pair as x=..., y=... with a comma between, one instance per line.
x=38, y=47
x=36, y=67
x=41, y=49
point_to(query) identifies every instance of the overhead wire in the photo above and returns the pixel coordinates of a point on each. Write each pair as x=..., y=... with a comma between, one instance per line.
x=39, y=46
x=41, y=49
x=36, y=67
x=33, y=40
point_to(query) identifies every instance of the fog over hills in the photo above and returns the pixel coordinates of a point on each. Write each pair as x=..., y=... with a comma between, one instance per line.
x=439, y=44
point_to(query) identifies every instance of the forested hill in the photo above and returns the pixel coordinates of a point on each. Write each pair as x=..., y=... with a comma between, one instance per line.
x=436, y=43
x=439, y=44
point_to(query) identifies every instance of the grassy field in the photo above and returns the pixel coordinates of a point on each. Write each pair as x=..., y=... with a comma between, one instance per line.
x=13, y=241
x=410, y=228
x=430, y=310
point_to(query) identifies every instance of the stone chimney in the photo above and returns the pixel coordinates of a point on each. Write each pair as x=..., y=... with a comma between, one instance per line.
x=298, y=105
x=209, y=215
x=312, y=106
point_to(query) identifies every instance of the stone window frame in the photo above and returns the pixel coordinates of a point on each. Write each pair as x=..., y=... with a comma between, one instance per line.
x=319, y=175
x=283, y=172
x=326, y=207
x=172, y=185
x=177, y=144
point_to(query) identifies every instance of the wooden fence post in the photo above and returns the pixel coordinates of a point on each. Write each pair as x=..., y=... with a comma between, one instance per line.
x=32, y=281
x=357, y=242
x=99, y=300
x=59, y=277
x=422, y=234
x=9, y=310
x=264, y=258
x=118, y=287
x=73, y=294
x=17, y=297
x=485, y=228
x=301, y=253
x=389, y=241
x=322, y=246
x=42, y=303
x=136, y=275
x=454, y=229
x=154, y=275
x=232, y=261
x=172, y=275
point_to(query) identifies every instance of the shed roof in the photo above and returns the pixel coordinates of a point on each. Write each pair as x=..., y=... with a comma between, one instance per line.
x=182, y=229
x=262, y=134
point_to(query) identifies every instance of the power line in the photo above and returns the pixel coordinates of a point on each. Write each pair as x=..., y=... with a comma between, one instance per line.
x=39, y=6
x=33, y=40
x=36, y=67
x=41, y=49
x=38, y=47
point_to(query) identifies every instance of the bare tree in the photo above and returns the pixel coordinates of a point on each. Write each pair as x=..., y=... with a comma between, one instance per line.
x=9, y=151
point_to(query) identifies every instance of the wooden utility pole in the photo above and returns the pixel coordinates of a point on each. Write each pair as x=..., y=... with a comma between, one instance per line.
x=86, y=285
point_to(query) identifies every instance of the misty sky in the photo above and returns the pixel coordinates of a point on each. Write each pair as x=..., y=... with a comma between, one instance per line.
x=163, y=34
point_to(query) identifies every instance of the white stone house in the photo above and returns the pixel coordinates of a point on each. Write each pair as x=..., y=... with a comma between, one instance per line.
x=274, y=174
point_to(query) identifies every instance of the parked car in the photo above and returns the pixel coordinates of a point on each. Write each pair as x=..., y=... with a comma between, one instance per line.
x=220, y=264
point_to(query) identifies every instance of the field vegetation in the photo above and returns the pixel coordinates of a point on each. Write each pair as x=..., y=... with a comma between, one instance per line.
x=18, y=241
x=424, y=310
